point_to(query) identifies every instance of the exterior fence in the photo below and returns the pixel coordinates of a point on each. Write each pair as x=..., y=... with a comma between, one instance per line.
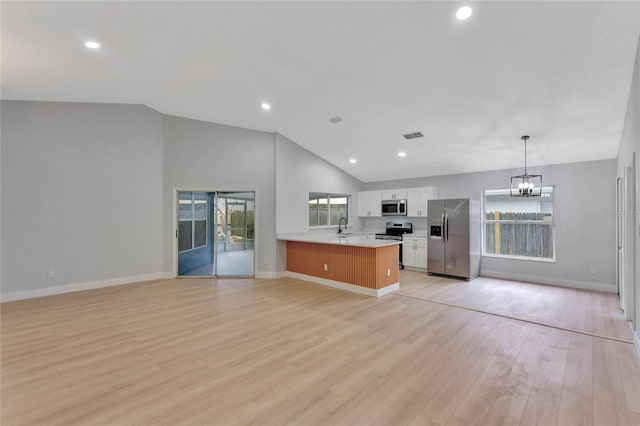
x=531, y=238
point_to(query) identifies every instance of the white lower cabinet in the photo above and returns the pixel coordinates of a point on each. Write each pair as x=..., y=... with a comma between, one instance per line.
x=414, y=252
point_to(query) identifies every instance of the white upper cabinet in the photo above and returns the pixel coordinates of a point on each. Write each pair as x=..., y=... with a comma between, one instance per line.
x=370, y=204
x=417, y=199
x=394, y=194
x=364, y=201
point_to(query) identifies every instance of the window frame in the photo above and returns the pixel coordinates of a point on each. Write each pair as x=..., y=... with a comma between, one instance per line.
x=328, y=196
x=193, y=221
x=552, y=223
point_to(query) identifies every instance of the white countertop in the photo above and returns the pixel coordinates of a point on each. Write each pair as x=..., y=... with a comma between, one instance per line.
x=357, y=239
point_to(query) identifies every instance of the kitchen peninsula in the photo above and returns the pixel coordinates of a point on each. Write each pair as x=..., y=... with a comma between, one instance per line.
x=357, y=262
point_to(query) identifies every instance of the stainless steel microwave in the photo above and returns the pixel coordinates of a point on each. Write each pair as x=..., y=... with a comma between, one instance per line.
x=394, y=207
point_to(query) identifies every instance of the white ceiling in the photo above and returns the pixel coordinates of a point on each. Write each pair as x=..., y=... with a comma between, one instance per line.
x=559, y=71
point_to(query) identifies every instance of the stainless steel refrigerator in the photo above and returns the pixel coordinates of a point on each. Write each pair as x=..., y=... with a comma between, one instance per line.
x=454, y=238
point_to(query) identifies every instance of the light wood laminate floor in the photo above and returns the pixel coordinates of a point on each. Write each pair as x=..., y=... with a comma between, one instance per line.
x=596, y=313
x=235, y=352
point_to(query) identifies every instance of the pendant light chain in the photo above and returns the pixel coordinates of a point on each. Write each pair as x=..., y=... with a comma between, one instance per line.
x=525, y=153
x=525, y=138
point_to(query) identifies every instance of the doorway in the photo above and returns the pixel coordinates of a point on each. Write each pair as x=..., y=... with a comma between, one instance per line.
x=215, y=233
x=625, y=241
x=620, y=230
x=629, y=248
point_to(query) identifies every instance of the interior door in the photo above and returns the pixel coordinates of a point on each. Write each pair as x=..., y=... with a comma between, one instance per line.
x=457, y=238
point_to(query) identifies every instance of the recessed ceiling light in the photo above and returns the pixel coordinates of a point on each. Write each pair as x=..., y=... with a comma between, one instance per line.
x=402, y=154
x=353, y=161
x=266, y=106
x=92, y=45
x=464, y=13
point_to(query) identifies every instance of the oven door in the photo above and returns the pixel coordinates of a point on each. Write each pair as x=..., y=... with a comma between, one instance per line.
x=389, y=208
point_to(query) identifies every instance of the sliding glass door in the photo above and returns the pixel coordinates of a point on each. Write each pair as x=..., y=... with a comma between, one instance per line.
x=235, y=227
x=216, y=233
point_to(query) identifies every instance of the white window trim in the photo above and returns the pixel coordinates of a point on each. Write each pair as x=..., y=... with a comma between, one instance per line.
x=528, y=258
x=551, y=223
x=329, y=196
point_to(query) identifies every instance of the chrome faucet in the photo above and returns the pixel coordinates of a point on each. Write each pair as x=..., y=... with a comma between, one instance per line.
x=340, y=224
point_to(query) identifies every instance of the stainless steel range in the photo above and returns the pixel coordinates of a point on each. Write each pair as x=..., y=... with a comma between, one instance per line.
x=395, y=231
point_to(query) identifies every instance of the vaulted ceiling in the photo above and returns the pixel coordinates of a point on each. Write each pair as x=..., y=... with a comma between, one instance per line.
x=558, y=71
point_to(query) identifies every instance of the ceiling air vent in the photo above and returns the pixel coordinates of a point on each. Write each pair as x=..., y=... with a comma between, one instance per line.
x=413, y=135
x=335, y=119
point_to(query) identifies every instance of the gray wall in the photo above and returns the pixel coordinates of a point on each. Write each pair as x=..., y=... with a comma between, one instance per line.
x=630, y=144
x=585, y=221
x=207, y=156
x=298, y=172
x=81, y=193
x=92, y=179
x=80, y=182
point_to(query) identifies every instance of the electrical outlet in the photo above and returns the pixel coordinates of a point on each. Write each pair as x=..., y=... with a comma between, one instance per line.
x=51, y=273
x=594, y=270
x=326, y=267
x=388, y=272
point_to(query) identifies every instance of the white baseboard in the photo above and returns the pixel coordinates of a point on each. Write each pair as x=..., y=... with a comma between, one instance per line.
x=344, y=286
x=388, y=289
x=538, y=279
x=271, y=274
x=68, y=288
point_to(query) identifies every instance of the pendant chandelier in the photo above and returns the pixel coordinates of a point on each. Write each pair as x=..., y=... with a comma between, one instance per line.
x=526, y=185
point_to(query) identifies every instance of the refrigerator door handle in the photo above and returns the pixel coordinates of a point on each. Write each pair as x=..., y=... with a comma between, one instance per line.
x=446, y=216
x=443, y=227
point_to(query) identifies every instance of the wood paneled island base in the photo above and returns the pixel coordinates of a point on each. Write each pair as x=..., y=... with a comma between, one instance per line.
x=367, y=270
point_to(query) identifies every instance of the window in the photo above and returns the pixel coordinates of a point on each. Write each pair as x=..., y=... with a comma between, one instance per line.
x=192, y=220
x=327, y=209
x=519, y=227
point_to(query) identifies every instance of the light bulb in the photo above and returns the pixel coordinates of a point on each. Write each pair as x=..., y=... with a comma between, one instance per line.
x=464, y=13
